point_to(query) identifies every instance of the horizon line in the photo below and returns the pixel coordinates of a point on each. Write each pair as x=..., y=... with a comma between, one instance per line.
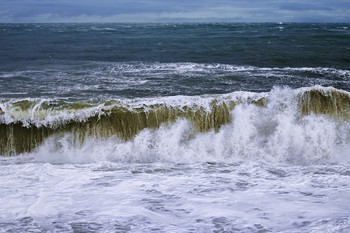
x=183, y=22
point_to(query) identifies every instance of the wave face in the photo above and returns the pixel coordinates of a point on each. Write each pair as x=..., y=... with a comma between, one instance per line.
x=27, y=123
x=306, y=124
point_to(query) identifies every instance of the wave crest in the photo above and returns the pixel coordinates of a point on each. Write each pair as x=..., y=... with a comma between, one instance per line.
x=284, y=123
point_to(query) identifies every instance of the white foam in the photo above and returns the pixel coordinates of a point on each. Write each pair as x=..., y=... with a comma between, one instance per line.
x=39, y=116
x=275, y=133
x=56, y=115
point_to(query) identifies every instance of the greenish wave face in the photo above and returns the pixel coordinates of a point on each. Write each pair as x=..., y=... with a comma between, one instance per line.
x=120, y=122
x=329, y=102
x=26, y=124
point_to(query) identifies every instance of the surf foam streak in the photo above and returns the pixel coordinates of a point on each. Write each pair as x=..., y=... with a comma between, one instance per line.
x=299, y=126
x=137, y=79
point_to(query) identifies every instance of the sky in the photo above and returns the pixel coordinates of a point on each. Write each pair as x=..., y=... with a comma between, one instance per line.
x=52, y=11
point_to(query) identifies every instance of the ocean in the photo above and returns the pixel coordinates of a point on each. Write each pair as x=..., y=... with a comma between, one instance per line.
x=179, y=127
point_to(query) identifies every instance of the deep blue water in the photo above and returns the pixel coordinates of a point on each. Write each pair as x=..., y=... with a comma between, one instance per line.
x=263, y=45
x=142, y=60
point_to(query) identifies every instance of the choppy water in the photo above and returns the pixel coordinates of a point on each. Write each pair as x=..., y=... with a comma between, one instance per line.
x=174, y=127
x=204, y=197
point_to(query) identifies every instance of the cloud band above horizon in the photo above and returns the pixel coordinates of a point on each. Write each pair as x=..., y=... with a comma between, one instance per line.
x=49, y=11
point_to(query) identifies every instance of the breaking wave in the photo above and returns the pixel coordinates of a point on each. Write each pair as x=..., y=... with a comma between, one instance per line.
x=284, y=125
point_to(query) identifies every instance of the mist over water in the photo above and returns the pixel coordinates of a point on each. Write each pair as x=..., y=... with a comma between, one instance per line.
x=174, y=127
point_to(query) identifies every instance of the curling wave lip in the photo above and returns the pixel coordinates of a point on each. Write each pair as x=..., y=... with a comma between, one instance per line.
x=306, y=124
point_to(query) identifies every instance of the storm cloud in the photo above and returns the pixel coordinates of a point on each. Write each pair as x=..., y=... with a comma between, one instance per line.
x=174, y=11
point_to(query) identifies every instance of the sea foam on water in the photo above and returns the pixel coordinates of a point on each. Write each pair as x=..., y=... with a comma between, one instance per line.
x=306, y=125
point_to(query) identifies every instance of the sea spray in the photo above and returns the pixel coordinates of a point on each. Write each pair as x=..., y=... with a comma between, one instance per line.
x=123, y=122
x=270, y=128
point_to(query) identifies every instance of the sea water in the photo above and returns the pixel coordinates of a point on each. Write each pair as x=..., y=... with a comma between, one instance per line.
x=174, y=127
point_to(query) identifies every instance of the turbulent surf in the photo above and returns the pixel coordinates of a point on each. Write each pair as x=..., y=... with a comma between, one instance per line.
x=174, y=127
x=313, y=123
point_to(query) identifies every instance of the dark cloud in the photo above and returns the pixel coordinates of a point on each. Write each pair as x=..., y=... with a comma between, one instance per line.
x=174, y=10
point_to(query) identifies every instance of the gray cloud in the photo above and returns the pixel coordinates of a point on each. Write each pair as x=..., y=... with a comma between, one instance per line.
x=175, y=10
